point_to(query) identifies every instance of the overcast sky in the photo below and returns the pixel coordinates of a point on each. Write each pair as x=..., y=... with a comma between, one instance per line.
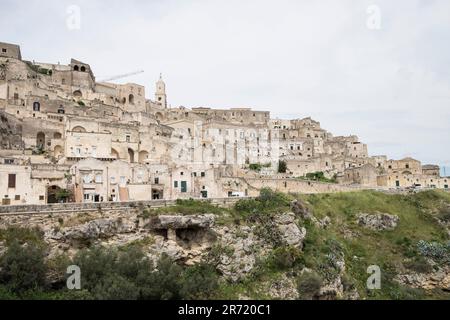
x=326, y=59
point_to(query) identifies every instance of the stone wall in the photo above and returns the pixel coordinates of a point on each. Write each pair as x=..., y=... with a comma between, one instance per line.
x=83, y=207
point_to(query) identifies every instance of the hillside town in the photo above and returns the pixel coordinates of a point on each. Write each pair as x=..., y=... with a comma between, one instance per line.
x=64, y=137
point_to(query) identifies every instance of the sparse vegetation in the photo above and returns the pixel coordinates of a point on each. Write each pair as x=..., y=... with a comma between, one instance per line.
x=188, y=207
x=320, y=177
x=419, y=244
x=309, y=285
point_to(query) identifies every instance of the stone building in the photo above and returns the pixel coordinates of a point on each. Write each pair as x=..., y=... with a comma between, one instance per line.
x=62, y=132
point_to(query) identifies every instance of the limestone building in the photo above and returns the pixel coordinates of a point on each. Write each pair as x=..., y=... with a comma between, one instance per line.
x=66, y=137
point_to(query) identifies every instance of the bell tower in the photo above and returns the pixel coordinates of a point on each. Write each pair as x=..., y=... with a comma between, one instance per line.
x=161, y=96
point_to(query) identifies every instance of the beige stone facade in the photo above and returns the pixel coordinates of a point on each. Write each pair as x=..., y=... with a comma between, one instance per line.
x=62, y=132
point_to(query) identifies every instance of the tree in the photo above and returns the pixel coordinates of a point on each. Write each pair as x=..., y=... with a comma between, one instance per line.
x=115, y=287
x=63, y=195
x=23, y=268
x=163, y=284
x=199, y=282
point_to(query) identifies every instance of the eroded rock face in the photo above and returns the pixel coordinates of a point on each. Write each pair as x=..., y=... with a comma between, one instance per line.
x=300, y=209
x=205, y=221
x=291, y=234
x=240, y=250
x=439, y=279
x=93, y=230
x=379, y=222
x=284, y=288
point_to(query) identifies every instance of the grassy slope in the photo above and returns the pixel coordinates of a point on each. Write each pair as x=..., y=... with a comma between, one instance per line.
x=387, y=249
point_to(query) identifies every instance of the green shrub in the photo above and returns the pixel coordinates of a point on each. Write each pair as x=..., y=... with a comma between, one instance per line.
x=115, y=287
x=95, y=263
x=320, y=176
x=163, y=284
x=285, y=257
x=444, y=214
x=199, y=282
x=22, y=235
x=255, y=167
x=419, y=265
x=190, y=207
x=309, y=285
x=23, y=268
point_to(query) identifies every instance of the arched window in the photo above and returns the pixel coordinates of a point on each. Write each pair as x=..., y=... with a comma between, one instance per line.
x=83, y=69
x=131, y=155
x=36, y=106
x=79, y=129
x=40, y=140
x=143, y=156
x=76, y=68
x=131, y=99
x=77, y=94
x=57, y=135
x=115, y=154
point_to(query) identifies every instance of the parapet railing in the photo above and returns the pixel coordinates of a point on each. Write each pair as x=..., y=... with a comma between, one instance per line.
x=80, y=207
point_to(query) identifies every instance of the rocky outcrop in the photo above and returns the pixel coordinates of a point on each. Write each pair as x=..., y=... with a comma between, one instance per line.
x=282, y=288
x=93, y=230
x=300, y=209
x=181, y=222
x=290, y=233
x=439, y=279
x=378, y=222
x=239, y=250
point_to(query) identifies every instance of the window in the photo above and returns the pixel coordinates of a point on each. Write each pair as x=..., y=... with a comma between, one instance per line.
x=11, y=180
x=17, y=197
x=128, y=138
x=99, y=178
x=175, y=184
x=122, y=180
x=87, y=179
x=4, y=50
x=9, y=161
x=203, y=174
x=195, y=174
x=182, y=173
x=41, y=198
x=156, y=180
x=36, y=106
x=183, y=186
